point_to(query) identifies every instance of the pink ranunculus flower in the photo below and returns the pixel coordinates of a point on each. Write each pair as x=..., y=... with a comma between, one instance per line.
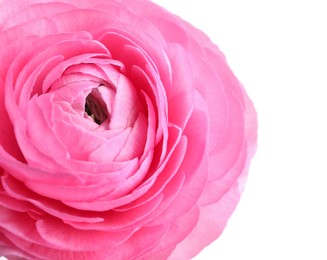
x=123, y=132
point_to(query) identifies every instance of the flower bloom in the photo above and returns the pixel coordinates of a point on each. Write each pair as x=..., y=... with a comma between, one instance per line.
x=123, y=132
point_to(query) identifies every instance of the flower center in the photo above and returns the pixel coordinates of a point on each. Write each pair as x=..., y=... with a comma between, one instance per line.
x=95, y=107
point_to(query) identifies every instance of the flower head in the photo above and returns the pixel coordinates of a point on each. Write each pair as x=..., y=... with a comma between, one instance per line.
x=124, y=134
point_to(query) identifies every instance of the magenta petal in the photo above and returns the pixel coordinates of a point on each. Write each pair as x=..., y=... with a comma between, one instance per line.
x=194, y=165
x=10, y=203
x=65, y=237
x=7, y=137
x=177, y=232
x=181, y=93
x=32, y=202
x=17, y=224
x=181, y=227
x=40, y=27
x=125, y=107
x=9, y=249
x=142, y=241
x=41, y=134
x=225, y=154
x=121, y=196
x=216, y=100
x=213, y=217
x=121, y=220
x=164, y=174
x=39, y=10
x=40, y=252
x=156, y=96
x=58, y=185
x=134, y=145
x=56, y=72
x=110, y=149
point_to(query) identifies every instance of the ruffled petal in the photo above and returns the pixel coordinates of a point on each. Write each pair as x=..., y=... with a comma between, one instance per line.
x=123, y=135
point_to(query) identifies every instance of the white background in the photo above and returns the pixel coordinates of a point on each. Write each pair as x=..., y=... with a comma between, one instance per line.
x=278, y=49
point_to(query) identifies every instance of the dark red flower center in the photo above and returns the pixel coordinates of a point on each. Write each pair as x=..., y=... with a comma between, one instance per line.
x=95, y=107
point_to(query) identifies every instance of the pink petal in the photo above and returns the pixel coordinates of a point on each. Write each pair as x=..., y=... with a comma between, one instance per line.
x=158, y=99
x=212, y=217
x=177, y=232
x=31, y=201
x=163, y=175
x=7, y=137
x=40, y=252
x=40, y=10
x=109, y=149
x=116, y=219
x=124, y=194
x=143, y=241
x=63, y=236
x=134, y=146
x=19, y=225
x=125, y=108
x=225, y=154
x=181, y=94
x=194, y=165
x=40, y=27
x=212, y=89
x=8, y=249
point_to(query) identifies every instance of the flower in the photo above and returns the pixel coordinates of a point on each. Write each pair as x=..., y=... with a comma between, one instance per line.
x=124, y=134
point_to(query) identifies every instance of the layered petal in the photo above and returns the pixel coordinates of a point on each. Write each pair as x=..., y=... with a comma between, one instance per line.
x=124, y=134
